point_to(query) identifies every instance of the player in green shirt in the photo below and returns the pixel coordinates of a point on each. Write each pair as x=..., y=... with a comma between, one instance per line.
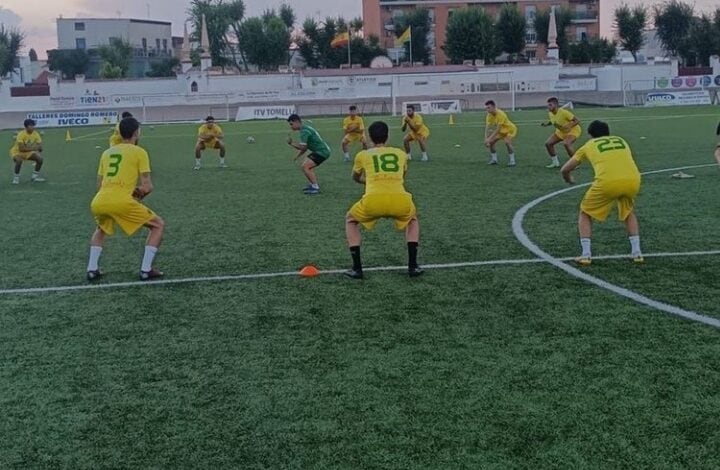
x=310, y=141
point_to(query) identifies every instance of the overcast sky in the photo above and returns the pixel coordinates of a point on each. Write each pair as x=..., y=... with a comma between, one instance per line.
x=37, y=17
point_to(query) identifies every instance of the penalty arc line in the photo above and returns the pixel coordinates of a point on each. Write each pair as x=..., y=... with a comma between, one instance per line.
x=241, y=277
x=524, y=239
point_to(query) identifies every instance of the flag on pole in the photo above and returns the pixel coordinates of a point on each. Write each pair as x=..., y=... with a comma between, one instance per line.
x=404, y=37
x=341, y=40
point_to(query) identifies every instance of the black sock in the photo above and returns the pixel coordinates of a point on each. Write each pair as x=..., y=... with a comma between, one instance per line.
x=412, y=255
x=355, y=253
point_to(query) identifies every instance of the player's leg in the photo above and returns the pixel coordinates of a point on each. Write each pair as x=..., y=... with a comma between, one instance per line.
x=18, y=160
x=412, y=237
x=346, y=148
x=96, y=246
x=199, y=147
x=493, y=150
x=550, y=147
x=219, y=145
x=152, y=244
x=422, y=142
x=633, y=230
x=511, y=150
x=354, y=239
x=406, y=145
x=569, y=144
x=585, y=232
x=364, y=143
x=38, y=159
x=308, y=169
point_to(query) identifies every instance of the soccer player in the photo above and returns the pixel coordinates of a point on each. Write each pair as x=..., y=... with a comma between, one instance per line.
x=311, y=141
x=116, y=138
x=416, y=131
x=210, y=136
x=28, y=147
x=617, y=182
x=382, y=170
x=354, y=128
x=503, y=129
x=717, y=148
x=115, y=202
x=567, y=130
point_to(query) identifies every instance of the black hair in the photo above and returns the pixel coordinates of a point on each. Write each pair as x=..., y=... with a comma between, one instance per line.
x=353, y=108
x=29, y=122
x=598, y=129
x=209, y=118
x=378, y=131
x=553, y=99
x=125, y=115
x=411, y=106
x=294, y=118
x=489, y=103
x=128, y=127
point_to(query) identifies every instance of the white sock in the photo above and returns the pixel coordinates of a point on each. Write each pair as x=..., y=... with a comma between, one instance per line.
x=347, y=156
x=222, y=160
x=197, y=162
x=95, y=252
x=16, y=175
x=493, y=157
x=554, y=160
x=150, y=252
x=511, y=156
x=424, y=155
x=36, y=173
x=635, y=245
x=585, y=244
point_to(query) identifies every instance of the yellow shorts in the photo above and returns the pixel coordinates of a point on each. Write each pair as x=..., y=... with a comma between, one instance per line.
x=512, y=132
x=373, y=207
x=23, y=155
x=353, y=138
x=209, y=144
x=599, y=199
x=574, y=132
x=412, y=136
x=111, y=209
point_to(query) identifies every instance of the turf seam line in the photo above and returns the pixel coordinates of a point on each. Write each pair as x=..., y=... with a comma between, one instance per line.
x=524, y=239
x=241, y=277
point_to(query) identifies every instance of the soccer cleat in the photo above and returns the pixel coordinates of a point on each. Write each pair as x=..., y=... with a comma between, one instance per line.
x=223, y=165
x=94, y=275
x=511, y=163
x=424, y=159
x=638, y=259
x=417, y=271
x=409, y=156
x=16, y=180
x=196, y=167
x=346, y=159
x=311, y=191
x=37, y=179
x=150, y=275
x=553, y=165
x=352, y=274
x=492, y=161
x=583, y=260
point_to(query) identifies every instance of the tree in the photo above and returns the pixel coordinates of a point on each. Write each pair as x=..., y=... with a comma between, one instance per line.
x=510, y=29
x=287, y=14
x=586, y=51
x=314, y=44
x=265, y=41
x=69, y=62
x=116, y=55
x=471, y=35
x=420, y=22
x=563, y=19
x=164, y=68
x=32, y=55
x=700, y=43
x=219, y=17
x=11, y=41
x=673, y=20
x=630, y=24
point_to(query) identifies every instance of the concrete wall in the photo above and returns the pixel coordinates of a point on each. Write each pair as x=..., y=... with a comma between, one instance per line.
x=99, y=31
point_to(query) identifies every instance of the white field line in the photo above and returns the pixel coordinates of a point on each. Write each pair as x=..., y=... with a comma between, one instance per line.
x=242, y=277
x=148, y=134
x=521, y=235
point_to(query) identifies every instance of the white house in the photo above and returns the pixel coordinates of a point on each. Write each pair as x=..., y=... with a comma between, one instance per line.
x=153, y=38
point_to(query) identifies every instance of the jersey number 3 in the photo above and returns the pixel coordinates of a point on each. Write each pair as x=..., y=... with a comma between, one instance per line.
x=114, y=166
x=387, y=162
x=612, y=143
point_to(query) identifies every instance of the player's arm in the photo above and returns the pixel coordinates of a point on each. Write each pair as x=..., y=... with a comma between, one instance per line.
x=412, y=126
x=301, y=147
x=573, y=122
x=568, y=168
x=359, y=176
x=99, y=182
x=405, y=123
x=145, y=187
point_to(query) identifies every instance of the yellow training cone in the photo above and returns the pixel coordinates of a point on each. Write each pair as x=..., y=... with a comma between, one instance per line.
x=68, y=137
x=451, y=121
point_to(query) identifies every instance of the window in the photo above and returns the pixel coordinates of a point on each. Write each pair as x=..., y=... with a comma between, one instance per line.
x=157, y=44
x=80, y=43
x=164, y=44
x=79, y=26
x=580, y=34
x=144, y=44
x=194, y=87
x=530, y=37
x=530, y=12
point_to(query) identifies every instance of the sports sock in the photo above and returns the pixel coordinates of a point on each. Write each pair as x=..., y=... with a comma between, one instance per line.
x=355, y=253
x=147, y=262
x=197, y=162
x=585, y=244
x=95, y=252
x=493, y=157
x=554, y=160
x=347, y=156
x=424, y=155
x=222, y=160
x=511, y=156
x=635, y=245
x=412, y=254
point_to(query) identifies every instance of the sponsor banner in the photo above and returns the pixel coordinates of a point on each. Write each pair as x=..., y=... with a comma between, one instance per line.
x=93, y=101
x=73, y=118
x=435, y=107
x=678, y=83
x=677, y=98
x=264, y=112
x=62, y=102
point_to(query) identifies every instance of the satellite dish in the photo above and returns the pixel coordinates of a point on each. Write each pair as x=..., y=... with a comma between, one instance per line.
x=381, y=62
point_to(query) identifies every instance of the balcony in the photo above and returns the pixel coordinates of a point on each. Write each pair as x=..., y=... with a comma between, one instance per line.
x=585, y=17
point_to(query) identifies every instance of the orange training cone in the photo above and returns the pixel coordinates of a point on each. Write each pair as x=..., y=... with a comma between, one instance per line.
x=309, y=271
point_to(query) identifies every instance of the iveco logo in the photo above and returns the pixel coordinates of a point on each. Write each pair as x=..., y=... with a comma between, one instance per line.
x=661, y=97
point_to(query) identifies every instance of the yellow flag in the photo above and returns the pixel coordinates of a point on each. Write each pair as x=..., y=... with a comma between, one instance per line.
x=404, y=37
x=340, y=40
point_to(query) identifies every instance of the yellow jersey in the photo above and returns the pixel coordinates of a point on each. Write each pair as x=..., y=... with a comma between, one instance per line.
x=501, y=121
x=121, y=166
x=561, y=118
x=27, y=139
x=356, y=122
x=417, y=122
x=116, y=138
x=210, y=133
x=384, y=169
x=610, y=158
